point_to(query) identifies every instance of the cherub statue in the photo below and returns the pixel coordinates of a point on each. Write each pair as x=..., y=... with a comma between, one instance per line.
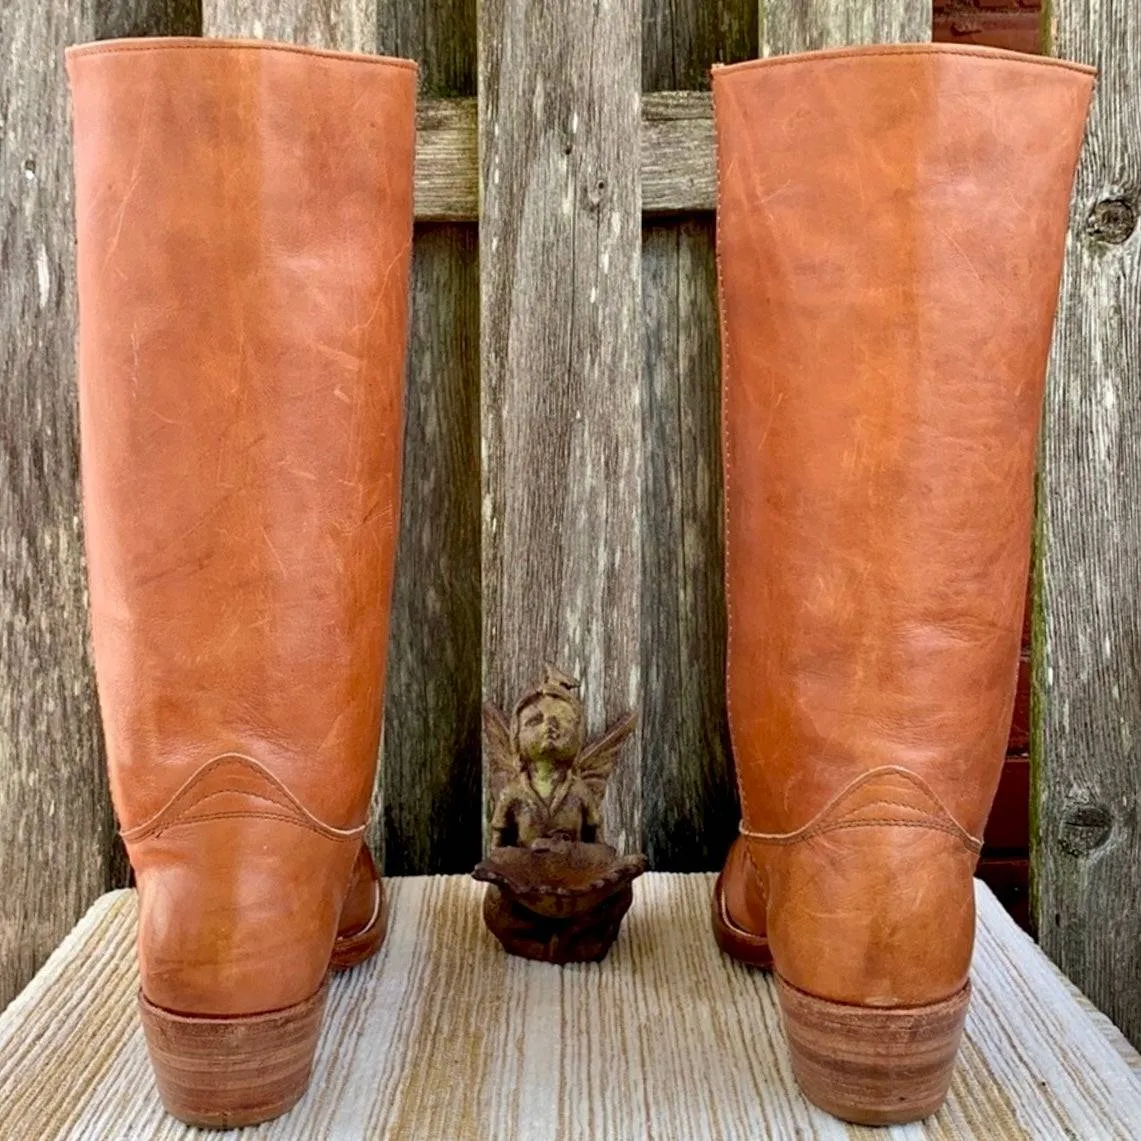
x=543, y=782
x=557, y=892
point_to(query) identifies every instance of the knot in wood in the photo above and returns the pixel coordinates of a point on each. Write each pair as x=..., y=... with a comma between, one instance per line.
x=1111, y=221
x=596, y=193
x=1084, y=828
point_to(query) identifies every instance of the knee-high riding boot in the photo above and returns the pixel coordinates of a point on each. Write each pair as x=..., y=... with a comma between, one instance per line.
x=890, y=231
x=244, y=216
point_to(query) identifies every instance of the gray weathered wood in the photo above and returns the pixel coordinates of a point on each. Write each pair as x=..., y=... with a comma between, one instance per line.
x=682, y=39
x=805, y=25
x=442, y=1037
x=678, y=171
x=346, y=25
x=60, y=846
x=115, y=18
x=1087, y=713
x=439, y=34
x=447, y=160
x=676, y=150
x=690, y=804
x=690, y=799
x=560, y=233
x=426, y=812
x=431, y=754
x=54, y=814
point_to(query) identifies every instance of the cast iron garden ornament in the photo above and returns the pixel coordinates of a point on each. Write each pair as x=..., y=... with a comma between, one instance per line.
x=556, y=893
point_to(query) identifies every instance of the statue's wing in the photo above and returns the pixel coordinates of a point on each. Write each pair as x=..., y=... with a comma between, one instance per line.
x=596, y=761
x=497, y=750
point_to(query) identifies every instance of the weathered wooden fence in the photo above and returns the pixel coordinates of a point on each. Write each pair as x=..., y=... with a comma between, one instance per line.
x=562, y=464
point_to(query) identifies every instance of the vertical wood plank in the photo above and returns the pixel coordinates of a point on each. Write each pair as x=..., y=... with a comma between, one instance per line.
x=431, y=755
x=440, y=34
x=682, y=39
x=805, y=25
x=346, y=25
x=688, y=788
x=1086, y=725
x=432, y=813
x=115, y=18
x=426, y=809
x=54, y=814
x=560, y=230
x=60, y=846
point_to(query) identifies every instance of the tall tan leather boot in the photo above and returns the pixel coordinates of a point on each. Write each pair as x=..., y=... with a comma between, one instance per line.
x=890, y=231
x=244, y=217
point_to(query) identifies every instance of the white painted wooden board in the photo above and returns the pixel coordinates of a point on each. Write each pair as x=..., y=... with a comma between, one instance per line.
x=442, y=1036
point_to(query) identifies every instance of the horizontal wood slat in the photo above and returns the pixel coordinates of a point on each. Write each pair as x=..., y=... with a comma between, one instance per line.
x=676, y=144
x=447, y=160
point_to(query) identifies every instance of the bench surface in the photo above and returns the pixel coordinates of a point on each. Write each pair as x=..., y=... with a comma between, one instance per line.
x=443, y=1036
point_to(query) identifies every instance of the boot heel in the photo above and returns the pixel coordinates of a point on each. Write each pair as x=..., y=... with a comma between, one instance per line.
x=227, y=1072
x=871, y=1065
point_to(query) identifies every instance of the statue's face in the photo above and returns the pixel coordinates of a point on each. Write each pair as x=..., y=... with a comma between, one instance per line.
x=549, y=729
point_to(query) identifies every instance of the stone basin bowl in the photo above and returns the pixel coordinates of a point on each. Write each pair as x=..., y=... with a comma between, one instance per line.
x=559, y=879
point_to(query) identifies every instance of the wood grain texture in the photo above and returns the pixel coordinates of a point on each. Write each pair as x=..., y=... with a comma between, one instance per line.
x=447, y=160
x=346, y=25
x=430, y=764
x=560, y=349
x=682, y=39
x=117, y=18
x=689, y=791
x=690, y=801
x=679, y=174
x=426, y=809
x=1086, y=726
x=431, y=752
x=793, y=26
x=61, y=845
x=444, y=1036
x=438, y=34
x=676, y=154
x=55, y=814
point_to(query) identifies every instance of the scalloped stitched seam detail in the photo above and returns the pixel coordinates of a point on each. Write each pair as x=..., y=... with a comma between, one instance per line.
x=186, y=821
x=184, y=799
x=951, y=829
x=939, y=819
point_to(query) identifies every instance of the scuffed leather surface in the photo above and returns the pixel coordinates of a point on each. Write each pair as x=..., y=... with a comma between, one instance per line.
x=244, y=226
x=743, y=891
x=890, y=230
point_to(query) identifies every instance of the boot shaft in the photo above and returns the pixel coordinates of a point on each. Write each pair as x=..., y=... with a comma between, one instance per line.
x=244, y=230
x=890, y=230
x=244, y=218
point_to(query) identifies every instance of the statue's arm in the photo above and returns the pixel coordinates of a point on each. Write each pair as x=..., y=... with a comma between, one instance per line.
x=591, y=817
x=503, y=830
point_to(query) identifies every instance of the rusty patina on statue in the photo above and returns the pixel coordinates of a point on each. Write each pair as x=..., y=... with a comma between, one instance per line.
x=557, y=892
